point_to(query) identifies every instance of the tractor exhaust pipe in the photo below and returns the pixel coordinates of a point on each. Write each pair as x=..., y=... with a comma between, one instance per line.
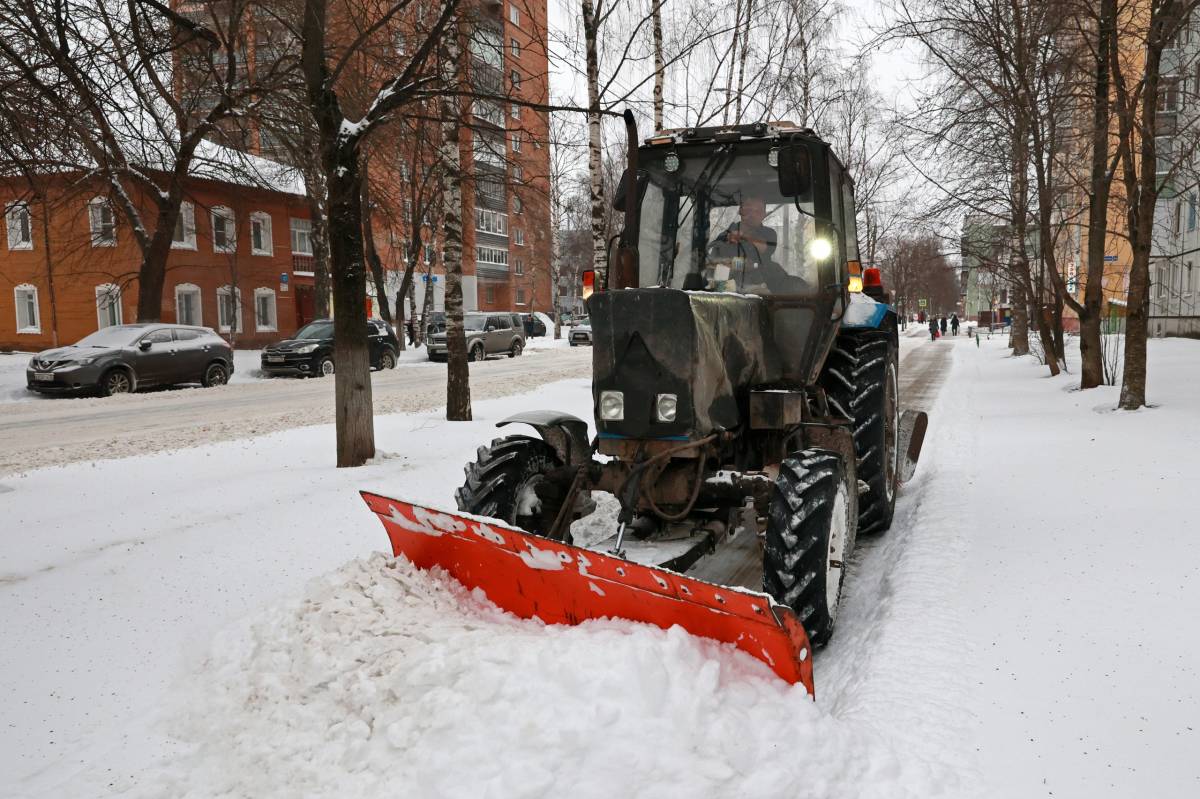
x=626, y=273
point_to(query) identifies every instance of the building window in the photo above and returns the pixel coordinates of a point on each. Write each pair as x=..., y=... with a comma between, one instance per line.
x=494, y=222
x=264, y=310
x=301, y=236
x=1176, y=216
x=101, y=223
x=187, y=305
x=489, y=294
x=490, y=189
x=229, y=309
x=516, y=142
x=260, y=234
x=1164, y=149
x=488, y=149
x=515, y=77
x=224, y=233
x=514, y=111
x=20, y=226
x=28, y=318
x=519, y=266
x=520, y=296
x=184, y=237
x=491, y=255
x=518, y=235
x=514, y=14
x=108, y=305
x=1189, y=278
x=514, y=47
x=517, y=206
x=488, y=111
x=1168, y=94
x=487, y=44
x=518, y=172
x=1191, y=212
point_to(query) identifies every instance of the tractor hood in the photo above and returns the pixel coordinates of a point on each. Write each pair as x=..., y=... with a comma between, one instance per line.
x=706, y=348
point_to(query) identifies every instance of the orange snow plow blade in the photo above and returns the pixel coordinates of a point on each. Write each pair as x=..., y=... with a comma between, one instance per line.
x=531, y=576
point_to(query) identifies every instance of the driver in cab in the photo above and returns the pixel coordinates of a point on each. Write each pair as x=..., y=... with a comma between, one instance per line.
x=743, y=254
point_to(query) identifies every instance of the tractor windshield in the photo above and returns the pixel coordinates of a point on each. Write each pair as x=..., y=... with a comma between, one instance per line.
x=713, y=219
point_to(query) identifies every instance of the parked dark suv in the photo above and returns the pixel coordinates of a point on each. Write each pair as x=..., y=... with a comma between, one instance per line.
x=123, y=358
x=310, y=351
x=487, y=334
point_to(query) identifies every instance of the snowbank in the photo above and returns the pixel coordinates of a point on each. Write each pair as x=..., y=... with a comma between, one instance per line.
x=385, y=680
x=12, y=377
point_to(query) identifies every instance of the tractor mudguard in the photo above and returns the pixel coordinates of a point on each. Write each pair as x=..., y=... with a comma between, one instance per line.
x=567, y=435
x=534, y=577
x=913, y=425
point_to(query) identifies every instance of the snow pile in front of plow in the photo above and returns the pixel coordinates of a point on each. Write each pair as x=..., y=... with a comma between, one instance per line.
x=384, y=680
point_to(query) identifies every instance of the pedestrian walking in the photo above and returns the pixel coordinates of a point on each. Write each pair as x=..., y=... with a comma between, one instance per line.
x=942, y=322
x=954, y=324
x=933, y=328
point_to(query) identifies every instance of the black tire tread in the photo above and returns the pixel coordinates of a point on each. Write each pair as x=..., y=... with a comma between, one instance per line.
x=491, y=482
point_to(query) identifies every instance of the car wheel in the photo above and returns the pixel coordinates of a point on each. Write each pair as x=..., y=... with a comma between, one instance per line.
x=387, y=360
x=215, y=375
x=116, y=381
x=515, y=349
x=477, y=353
x=325, y=367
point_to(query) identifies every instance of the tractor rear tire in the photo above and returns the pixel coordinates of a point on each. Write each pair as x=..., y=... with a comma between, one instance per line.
x=810, y=536
x=507, y=482
x=860, y=381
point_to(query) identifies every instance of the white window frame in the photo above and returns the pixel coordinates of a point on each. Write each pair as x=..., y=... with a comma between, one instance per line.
x=35, y=324
x=297, y=225
x=12, y=222
x=264, y=219
x=515, y=78
x=226, y=214
x=273, y=325
x=518, y=266
x=514, y=47
x=514, y=14
x=193, y=289
x=187, y=217
x=518, y=172
x=518, y=206
x=514, y=111
x=96, y=206
x=108, y=295
x=516, y=141
x=520, y=296
x=519, y=236
x=223, y=324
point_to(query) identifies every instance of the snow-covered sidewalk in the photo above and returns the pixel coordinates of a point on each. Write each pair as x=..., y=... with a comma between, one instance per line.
x=211, y=621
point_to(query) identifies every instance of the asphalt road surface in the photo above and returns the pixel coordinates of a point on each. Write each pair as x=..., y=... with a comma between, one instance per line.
x=46, y=433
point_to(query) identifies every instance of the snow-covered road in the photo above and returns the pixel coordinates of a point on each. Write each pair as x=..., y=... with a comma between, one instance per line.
x=1020, y=632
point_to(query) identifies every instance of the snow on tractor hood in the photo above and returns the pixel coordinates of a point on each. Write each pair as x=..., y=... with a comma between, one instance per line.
x=705, y=348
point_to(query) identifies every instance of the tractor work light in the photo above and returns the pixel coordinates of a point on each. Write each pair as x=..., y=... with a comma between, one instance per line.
x=612, y=406
x=671, y=162
x=856, y=276
x=665, y=407
x=820, y=249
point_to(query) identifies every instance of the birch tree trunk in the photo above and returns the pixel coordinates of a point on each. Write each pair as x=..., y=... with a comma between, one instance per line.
x=591, y=22
x=458, y=378
x=659, y=76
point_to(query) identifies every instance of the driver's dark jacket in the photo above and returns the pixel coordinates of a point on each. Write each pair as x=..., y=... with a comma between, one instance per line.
x=757, y=232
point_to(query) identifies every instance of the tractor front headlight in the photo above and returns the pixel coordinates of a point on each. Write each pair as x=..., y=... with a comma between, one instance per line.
x=820, y=249
x=666, y=406
x=612, y=406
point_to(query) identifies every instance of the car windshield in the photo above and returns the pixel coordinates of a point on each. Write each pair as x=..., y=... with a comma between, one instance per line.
x=717, y=222
x=115, y=336
x=474, y=322
x=316, y=330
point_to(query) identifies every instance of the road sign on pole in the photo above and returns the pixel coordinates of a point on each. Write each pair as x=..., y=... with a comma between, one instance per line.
x=922, y=303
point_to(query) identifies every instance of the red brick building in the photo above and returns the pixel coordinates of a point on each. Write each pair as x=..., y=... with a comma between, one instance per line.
x=240, y=262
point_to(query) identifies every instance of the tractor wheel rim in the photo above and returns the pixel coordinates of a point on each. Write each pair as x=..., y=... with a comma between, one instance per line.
x=835, y=563
x=891, y=428
x=326, y=368
x=118, y=383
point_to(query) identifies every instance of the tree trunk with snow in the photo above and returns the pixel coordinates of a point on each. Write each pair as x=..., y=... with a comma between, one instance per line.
x=458, y=377
x=591, y=24
x=659, y=68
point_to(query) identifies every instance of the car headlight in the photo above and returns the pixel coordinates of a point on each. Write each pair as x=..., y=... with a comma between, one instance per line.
x=307, y=348
x=666, y=406
x=84, y=361
x=612, y=406
x=820, y=249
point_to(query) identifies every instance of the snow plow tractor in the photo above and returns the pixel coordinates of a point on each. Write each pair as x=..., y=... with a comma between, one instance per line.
x=747, y=417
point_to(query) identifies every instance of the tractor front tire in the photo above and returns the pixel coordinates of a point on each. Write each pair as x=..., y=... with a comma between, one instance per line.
x=860, y=381
x=810, y=535
x=508, y=481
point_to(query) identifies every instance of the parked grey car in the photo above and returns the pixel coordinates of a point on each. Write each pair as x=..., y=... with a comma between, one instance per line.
x=581, y=333
x=123, y=358
x=487, y=334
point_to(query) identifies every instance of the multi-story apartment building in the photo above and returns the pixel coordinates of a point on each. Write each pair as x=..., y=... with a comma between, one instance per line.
x=505, y=153
x=1175, y=252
